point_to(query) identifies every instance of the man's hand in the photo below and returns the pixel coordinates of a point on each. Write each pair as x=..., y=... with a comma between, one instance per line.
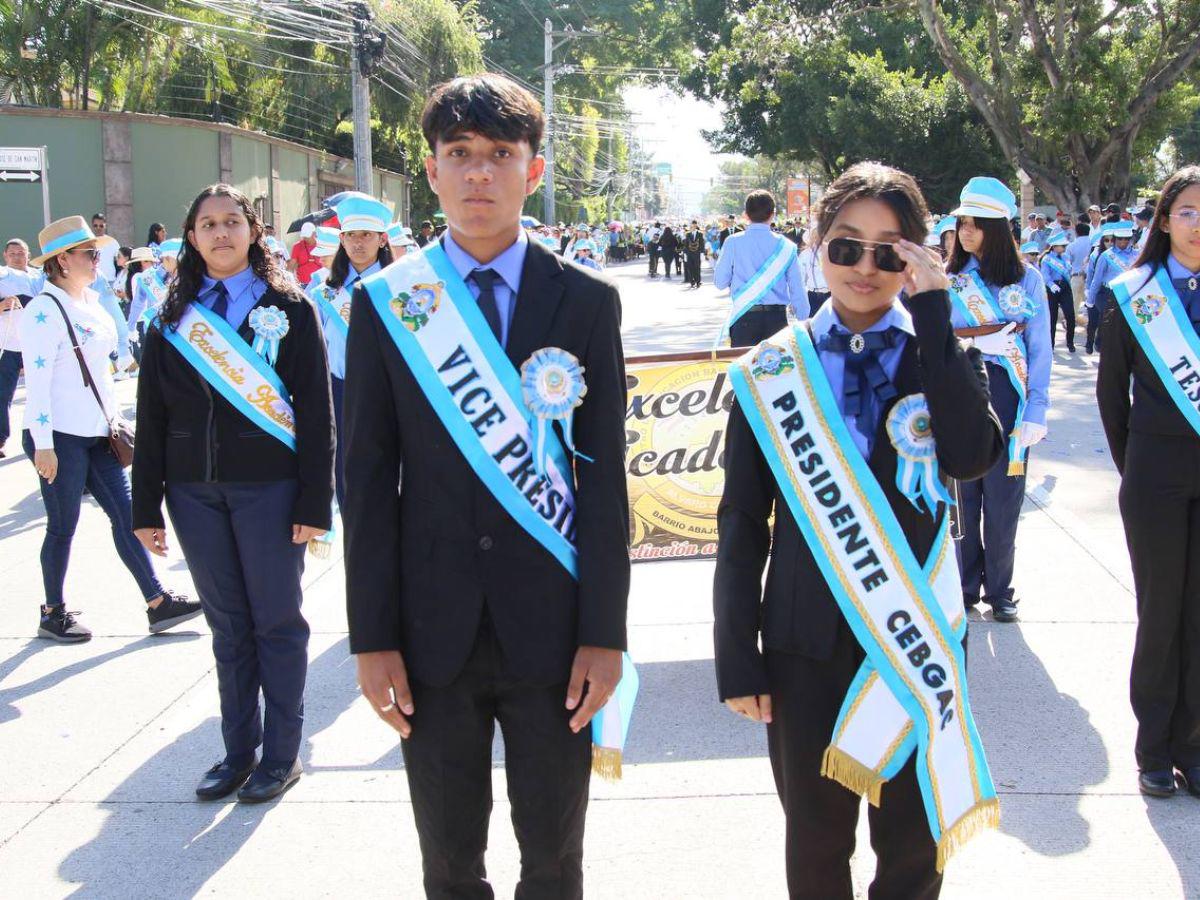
x=9, y=303
x=302, y=534
x=600, y=669
x=383, y=680
x=153, y=539
x=756, y=707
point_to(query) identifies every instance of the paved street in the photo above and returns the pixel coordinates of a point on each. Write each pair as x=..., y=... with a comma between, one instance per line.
x=101, y=743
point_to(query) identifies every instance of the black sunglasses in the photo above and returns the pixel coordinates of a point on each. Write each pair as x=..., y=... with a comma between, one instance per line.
x=845, y=251
x=90, y=252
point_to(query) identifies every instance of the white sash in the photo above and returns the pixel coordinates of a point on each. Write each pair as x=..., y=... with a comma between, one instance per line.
x=881, y=590
x=971, y=297
x=1160, y=323
x=759, y=284
x=222, y=358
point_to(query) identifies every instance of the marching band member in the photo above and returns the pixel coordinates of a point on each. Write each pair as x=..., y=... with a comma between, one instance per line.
x=235, y=431
x=842, y=429
x=1151, y=344
x=492, y=586
x=364, y=251
x=1110, y=264
x=1000, y=303
x=1056, y=273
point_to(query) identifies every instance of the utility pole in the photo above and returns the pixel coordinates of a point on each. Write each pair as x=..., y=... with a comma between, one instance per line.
x=548, y=73
x=366, y=49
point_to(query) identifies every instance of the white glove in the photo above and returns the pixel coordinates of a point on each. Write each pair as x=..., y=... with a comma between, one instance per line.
x=123, y=363
x=1054, y=287
x=998, y=343
x=1031, y=433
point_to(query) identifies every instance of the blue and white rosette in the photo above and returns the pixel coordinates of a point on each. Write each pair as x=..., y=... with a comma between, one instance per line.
x=270, y=326
x=552, y=386
x=910, y=430
x=1016, y=305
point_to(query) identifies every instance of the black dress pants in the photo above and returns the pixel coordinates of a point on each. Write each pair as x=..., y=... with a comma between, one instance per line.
x=1064, y=301
x=757, y=324
x=1160, y=506
x=653, y=261
x=692, y=268
x=448, y=760
x=806, y=695
x=1096, y=316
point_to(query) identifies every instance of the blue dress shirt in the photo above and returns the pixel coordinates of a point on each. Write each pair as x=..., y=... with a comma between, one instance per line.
x=1036, y=337
x=1106, y=270
x=507, y=265
x=826, y=320
x=108, y=300
x=1051, y=275
x=744, y=253
x=20, y=282
x=244, y=289
x=335, y=344
x=1077, y=254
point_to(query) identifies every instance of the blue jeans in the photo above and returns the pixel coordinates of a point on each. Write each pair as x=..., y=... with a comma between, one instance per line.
x=10, y=371
x=87, y=461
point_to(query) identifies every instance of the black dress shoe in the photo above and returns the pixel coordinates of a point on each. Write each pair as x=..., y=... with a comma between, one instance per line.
x=223, y=779
x=1004, y=609
x=269, y=781
x=1191, y=780
x=1159, y=783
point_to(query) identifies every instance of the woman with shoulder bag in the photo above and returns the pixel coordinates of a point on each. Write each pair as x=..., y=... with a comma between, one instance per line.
x=67, y=338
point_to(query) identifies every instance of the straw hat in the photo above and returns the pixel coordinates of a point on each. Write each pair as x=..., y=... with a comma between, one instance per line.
x=142, y=254
x=62, y=235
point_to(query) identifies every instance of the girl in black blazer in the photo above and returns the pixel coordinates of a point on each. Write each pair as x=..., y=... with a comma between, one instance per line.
x=243, y=503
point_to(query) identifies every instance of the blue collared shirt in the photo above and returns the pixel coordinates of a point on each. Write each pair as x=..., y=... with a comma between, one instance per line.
x=507, y=265
x=21, y=282
x=1077, y=254
x=826, y=320
x=108, y=300
x=335, y=344
x=245, y=289
x=1177, y=270
x=1036, y=337
x=1052, y=275
x=1106, y=270
x=744, y=253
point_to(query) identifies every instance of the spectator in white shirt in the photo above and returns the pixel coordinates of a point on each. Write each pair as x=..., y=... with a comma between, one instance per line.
x=67, y=427
x=107, y=248
x=18, y=285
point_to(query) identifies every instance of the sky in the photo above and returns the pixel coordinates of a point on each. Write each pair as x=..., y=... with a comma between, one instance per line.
x=669, y=127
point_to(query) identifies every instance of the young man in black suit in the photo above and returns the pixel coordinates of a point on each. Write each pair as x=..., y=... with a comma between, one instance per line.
x=458, y=616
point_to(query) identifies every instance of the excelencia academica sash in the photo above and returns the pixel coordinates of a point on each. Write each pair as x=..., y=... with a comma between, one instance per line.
x=222, y=357
x=901, y=620
x=476, y=392
x=972, y=298
x=1165, y=333
x=759, y=285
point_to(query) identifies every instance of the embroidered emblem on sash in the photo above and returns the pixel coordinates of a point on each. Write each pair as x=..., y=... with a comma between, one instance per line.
x=415, y=308
x=771, y=361
x=1147, y=307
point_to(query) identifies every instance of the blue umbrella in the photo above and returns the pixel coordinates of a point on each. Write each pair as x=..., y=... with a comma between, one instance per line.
x=529, y=222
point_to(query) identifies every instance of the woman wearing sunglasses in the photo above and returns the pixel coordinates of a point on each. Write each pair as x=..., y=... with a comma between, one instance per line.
x=1151, y=343
x=999, y=303
x=66, y=427
x=887, y=374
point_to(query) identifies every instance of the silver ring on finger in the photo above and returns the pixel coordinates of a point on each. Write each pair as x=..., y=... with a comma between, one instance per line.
x=387, y=708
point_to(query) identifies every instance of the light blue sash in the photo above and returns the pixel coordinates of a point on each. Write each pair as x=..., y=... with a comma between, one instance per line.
x=1160, y=323
x=323, y=295
x=759, y=284
x=151, y=279
x=222, y=358
x=1056, y=264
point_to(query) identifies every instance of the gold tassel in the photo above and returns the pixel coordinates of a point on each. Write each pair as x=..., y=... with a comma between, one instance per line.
x=1016, y=467
x=847, y=771
x=320, y=549
x=606, y=762
x=974, y=820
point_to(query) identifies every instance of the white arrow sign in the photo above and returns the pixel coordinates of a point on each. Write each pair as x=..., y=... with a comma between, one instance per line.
x=20, y=176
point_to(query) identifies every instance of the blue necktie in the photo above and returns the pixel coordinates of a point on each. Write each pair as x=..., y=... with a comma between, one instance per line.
x=486, y=279
x=865, y=386
x=220, y=304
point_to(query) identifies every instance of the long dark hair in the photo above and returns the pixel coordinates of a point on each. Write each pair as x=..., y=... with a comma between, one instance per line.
x=1158, y=242
x=152, y=234
x=339, y=269
x=999, y=257
x=130, y=271
x=191, y=269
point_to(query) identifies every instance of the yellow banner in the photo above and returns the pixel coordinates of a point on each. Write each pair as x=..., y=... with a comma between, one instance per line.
x=675, y=458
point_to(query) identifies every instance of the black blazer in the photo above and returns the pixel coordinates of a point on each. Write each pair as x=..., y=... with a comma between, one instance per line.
x=1152, y=410
x=186, y=431
x=428, y=546
x=796, y=613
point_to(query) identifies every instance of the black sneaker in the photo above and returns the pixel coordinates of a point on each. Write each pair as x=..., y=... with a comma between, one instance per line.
x=1004, y=609
x=59, y=625
x=174, y=610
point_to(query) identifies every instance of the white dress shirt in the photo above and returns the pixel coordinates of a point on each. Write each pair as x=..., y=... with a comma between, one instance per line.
x=56, y=399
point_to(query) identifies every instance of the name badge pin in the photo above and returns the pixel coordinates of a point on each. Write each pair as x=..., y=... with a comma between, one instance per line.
x=858, y=343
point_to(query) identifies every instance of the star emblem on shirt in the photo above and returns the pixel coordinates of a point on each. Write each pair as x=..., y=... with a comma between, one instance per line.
x=40, y=363
x=43, y=419
x=41, y=318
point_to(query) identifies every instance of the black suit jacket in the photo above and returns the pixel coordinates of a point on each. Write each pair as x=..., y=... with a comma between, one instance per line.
x=796, y=612
x=186, y=431
x=1152, y=410
x=427, y=545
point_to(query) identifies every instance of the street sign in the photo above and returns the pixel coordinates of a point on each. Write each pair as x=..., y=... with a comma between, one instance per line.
x=27, y=165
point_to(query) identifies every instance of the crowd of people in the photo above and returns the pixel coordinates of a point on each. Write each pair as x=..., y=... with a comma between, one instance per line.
x=898, y=378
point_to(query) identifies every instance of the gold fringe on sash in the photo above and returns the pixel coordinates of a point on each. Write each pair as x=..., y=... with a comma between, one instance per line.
x=847, y=771
x=974, y=820
x=1016, y=467
x=320, y=549
x=606, y=762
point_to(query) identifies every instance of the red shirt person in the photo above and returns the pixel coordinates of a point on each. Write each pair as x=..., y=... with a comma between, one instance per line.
x=303, y=262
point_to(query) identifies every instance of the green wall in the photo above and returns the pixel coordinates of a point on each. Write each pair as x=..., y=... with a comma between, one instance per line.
x=171, y=165
x=293, y=201
x=76, y=155
x=251, y=167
